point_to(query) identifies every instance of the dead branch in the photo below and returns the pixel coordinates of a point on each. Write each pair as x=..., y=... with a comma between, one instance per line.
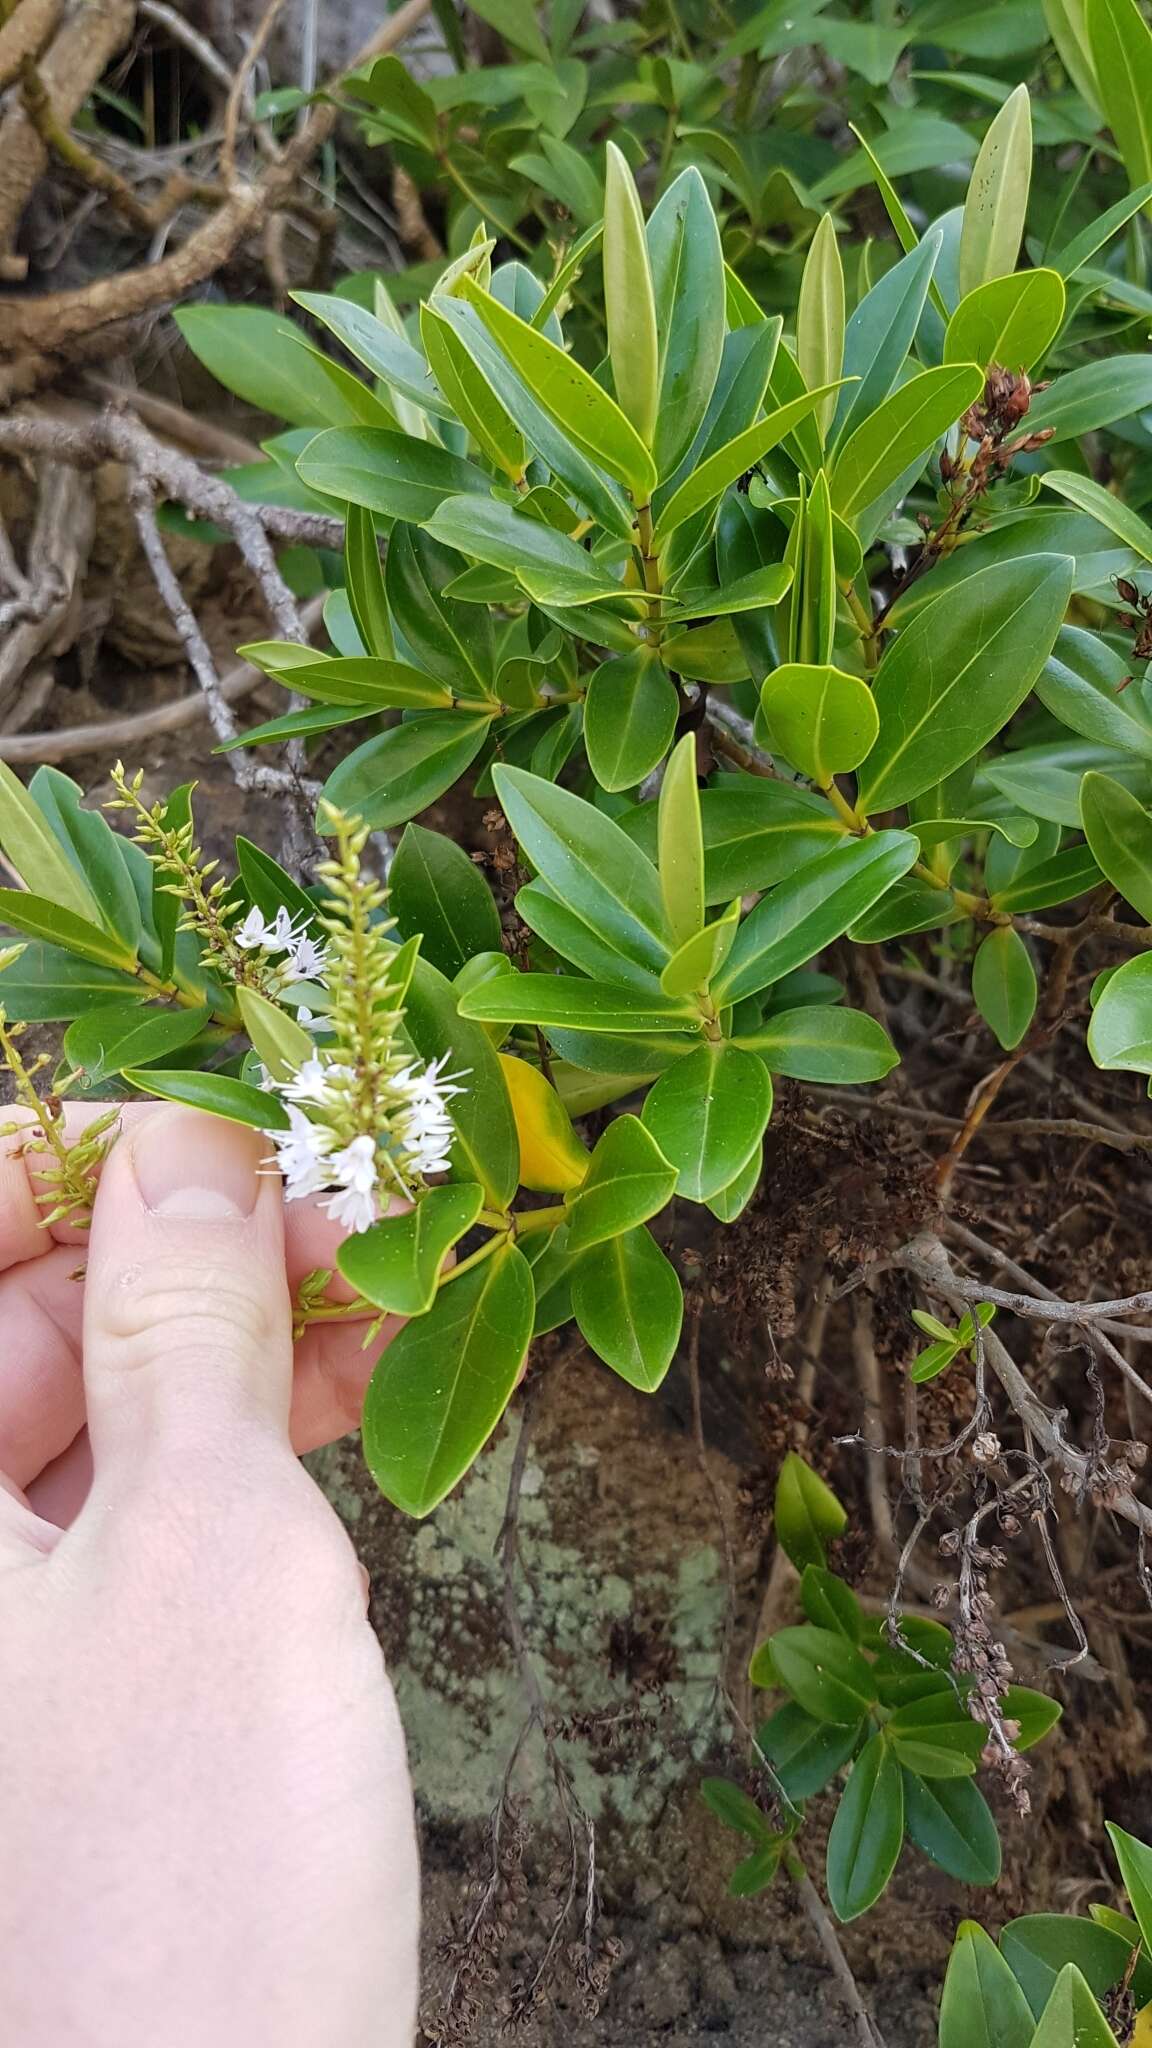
x=27, y=26
x=84, y=46
x=44, y=325
x=923, y=1257
x=57, y=557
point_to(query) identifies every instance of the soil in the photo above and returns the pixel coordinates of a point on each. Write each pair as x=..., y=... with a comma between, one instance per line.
x=642, y=1552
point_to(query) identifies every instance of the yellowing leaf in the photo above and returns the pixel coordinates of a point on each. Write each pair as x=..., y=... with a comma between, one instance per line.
x=552, y=1159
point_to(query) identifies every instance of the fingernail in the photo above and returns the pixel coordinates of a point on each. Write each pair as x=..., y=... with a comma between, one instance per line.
x=198, y=1168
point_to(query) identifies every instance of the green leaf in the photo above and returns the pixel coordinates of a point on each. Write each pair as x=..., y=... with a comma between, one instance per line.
x=1135, y=1860
x=1120, y=1032
x=629, y=1307
x=680, y=843
x=694, y=964
x=804, y=1753
x=903, y=428
x=388, y=778
x=589, y=862
x=630, y=713
x=1004, y=985
x=997, y=200
x=824, y=1673
x=819, y=718
x=1102, y=505
x=755, y=1873
x=397, y=1263
x=1083, y=247
x=268, y=361
x=958, y=671
x=755, y=834
x=936, y=1738
x=688, y=282
x=866, y=1835
x=1035, y=1713
x=629, y=304
x=450, y=1374
x=735, y=1809
x=217, y=1094
x=552, y=568
x=879, y=333
x=35, y=852
x=126, y=1035
x=453, y=641
x=1095, y=395
x=369, y=682
x=845, y=1047
x=948, y=1819
x=1058, y=880
x=1119, y=831
x=516, y=21
x=707, y=1114
x=1066, y=26
x=391, y=90
x=1081, y=684
x=1120, y=44
x=1012, y=321
x=808, y=1515
x=48, y=985
x=374, y=343
x=712, y=477
x=820, y=317
x=982, y=2005
x=281, y=1043
x=44, y=920
x=734, y=1199
x=436, y=891
x=559, y=1001
x=829, y=1603
x=795, y=921
x=98, y=854
x=486, y=1147
x=269, y=886
x=389, y=473
x=1038, y=1946
x=1072, y=2018
x=568, y=933
x=364, y=581
x=628, y=1180
x=571, y=398
x=472, y=398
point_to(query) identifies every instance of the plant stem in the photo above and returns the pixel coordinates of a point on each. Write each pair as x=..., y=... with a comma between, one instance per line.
x=867, y=2032
x=539, y=1219
x=500, y=1237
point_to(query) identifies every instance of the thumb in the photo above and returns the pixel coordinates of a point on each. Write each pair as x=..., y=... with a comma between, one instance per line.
x=187, y=1319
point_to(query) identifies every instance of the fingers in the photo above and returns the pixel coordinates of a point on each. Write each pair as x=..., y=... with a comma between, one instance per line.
x=187, y=1322
x=41, y=1386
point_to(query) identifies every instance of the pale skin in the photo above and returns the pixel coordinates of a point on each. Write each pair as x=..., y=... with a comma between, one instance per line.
x=206, y=1831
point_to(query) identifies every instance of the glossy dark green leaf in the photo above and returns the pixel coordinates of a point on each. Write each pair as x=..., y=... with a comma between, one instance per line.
x=629, y=1307
x=955, y=675
x=900, y=432
x=820, y=316
x=1120, y=46
x=708, y=1113
x=756, y=835
x=552, y=568
x=1119, y=832
x=1038, y=1946
x=688, y=282
x=33, y=849
x=982, y=2005
x=879, y=333
x=805, y=1753
x=1111, y=511
x=364, y=580
x=485, y=1146
x=949, y=1819
x=867, y=1833
x=49, y=985
x=127, y=1035
x=1082, y=684
x=589, y=862
x=755, y=1873
x=829, y=1603
x=630, y=713
x=96, y=852
x=1004, y=984
x=269, y=886
x=824, y=1673
x=1057, y=880
x=731, y=1201
x=389, y=473
x=1035, y=1714
x=470, y=395
x=628, y=1181
x=217, y=1094
x=450, y=1374
x=576, y=940
x=399, y=772
x=735, y=1809
x=936, y=1738
x=713, y=476
x=267, y=360
x=629, y=303
x=434, y=889
x=1135, y=1860
x=44, y=920
x=1072, y=2018
x=397, y=1263
x=559, y=1001
x=807, y=1514
x=798, y=919
x=366, y=681
x=1092, y=396
x=373, y=343
x=451, y=640
x=846, y=1047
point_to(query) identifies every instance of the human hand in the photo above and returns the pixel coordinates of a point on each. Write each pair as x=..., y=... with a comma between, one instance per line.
x=205, y=1822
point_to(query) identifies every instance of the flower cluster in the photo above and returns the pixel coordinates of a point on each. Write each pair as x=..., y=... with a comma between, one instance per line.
x=412, y=1142
x=366, y=1118
x=305, y=958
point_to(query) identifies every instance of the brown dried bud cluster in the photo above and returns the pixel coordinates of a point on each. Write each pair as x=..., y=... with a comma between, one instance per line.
x=994, y=421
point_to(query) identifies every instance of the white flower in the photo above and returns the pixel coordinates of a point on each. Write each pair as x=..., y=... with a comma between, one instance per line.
x=427, y=1126
x=307, y=958
x=355, y=1169
x=250, y=934
x=274, y=938
x=301, y=1155
x=312, y=1082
